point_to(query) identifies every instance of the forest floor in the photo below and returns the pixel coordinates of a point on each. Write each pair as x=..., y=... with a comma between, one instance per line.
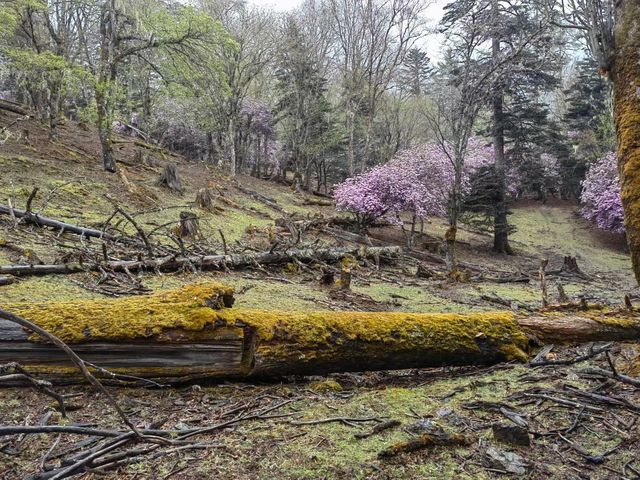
x=573, y=435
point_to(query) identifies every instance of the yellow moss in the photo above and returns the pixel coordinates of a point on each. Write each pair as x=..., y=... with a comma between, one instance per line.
x=188, y=309
x=626, y=74
x=450, y=337
x=325, y=386
x=348, y=262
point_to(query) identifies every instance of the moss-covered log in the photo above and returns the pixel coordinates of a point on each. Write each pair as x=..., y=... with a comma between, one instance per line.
x=626, y=87
x=192, y=333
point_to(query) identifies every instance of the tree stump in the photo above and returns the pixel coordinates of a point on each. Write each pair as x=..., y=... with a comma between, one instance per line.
x=205, y=199
x=570, y=265
x=170, y=178
x=328, y=277
x=345, y=279
x=189, y=225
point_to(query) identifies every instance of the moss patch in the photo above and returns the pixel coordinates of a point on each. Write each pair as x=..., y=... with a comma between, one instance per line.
x=188, y=309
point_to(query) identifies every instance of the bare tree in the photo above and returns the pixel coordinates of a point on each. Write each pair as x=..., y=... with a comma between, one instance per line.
x=373, y=38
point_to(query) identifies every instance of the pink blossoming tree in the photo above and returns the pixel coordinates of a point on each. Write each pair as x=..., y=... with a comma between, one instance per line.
x=417, y=180
x=601, y=203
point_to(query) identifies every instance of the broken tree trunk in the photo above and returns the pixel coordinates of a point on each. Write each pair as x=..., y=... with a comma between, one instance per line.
x=189, y=226
x=207, y=262
x=40, y=221
x=191, y=333
x=170, y=178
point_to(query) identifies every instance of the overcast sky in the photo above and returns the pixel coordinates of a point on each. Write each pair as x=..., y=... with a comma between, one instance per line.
x=434, y=12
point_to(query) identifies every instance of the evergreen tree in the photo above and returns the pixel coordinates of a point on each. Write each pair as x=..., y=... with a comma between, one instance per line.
x=303, y=110
x=415, y=72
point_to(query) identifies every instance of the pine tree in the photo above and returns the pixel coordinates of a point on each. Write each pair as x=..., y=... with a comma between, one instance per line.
x=415, y=72
x=303, y=110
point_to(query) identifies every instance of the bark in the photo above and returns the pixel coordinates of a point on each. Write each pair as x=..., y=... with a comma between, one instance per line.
x=13, y=107
x=191, y=333
x=207, y=262
x=170, y=178
x=35, y=219
x=500, y=223
x=626, y=85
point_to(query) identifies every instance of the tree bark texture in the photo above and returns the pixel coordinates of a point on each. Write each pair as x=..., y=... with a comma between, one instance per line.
x=626, y=90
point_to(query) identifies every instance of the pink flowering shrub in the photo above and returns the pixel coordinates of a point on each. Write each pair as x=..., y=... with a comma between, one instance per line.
x=417, y=180
x=600, y=198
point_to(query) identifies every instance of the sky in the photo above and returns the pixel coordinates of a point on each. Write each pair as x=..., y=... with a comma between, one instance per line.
x=433, y=13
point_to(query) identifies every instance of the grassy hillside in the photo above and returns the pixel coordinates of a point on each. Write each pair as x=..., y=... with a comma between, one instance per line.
x=74, y=188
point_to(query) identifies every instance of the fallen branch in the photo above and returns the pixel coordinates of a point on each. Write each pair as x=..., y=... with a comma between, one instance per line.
x=345, y=420
x=207, y=262
x=425, y=440
x=40, y=221
x=381, y=427
x=21, y=376
x=593, y=351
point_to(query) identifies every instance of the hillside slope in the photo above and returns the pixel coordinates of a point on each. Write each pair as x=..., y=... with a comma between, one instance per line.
x=308, y=432
x=74, y=188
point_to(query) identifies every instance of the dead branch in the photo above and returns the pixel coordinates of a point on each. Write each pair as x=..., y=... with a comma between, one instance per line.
x=208, y=262
x=40, y=221
x=426, y=440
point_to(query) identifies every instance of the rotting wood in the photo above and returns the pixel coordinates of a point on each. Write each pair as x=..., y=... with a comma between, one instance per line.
x=426, y=440
x=40, y=221
x=191, y=333
x=207, y=262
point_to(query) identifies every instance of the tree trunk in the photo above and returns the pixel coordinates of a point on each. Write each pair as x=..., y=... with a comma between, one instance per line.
x=55, y=86
x=231, y=145
x=500, y=223
x=106, y=81
x=207, y=262
x=190, y=333
x=626, y=85
x=454, y=211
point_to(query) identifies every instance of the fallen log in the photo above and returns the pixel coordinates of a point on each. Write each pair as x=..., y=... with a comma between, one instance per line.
x=207, y=262
x=13, y=107
x=40, y=221
x=192, y=333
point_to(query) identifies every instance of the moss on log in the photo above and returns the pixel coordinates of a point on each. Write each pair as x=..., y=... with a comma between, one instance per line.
x=191, y=333
x=173, y=315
